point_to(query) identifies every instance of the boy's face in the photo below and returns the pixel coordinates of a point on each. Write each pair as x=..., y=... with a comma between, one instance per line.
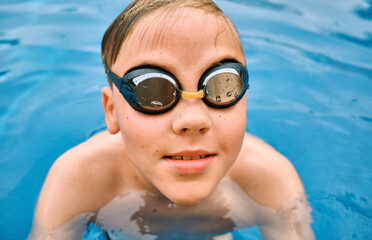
x=185, y=43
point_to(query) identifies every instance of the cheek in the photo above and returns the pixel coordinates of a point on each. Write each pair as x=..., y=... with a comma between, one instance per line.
x=231, y=128
x=140, y=132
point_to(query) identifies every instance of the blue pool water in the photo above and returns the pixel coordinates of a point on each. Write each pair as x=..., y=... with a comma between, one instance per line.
x=310, y=64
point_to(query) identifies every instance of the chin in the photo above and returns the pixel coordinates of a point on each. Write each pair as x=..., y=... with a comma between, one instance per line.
x=187, y=201
x=189, y=195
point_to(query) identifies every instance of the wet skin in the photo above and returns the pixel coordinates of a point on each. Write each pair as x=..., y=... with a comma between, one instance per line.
x=139, y=151
x=185, y=48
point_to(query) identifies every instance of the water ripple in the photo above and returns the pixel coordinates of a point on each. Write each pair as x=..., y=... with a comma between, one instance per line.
x=11, y=42
x=70, y=10
x=350, y=202
x=367, y=119
x=365, y=13
x=365, y=42
x=269, y=5
x=324, y=59
x=2, y=73
x=318, y=57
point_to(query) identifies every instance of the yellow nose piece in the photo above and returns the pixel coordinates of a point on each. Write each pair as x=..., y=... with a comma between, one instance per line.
x=188, y=95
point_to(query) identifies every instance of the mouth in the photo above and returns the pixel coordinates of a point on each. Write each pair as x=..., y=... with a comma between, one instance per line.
x=189, y=163
x=188, y=157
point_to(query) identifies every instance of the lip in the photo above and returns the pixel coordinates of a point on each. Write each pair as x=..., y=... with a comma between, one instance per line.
x=190, y=162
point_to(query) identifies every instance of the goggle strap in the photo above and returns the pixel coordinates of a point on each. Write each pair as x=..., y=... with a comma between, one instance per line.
x=115, y=79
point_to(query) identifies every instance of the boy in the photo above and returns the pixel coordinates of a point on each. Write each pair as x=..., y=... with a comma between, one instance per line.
x=175, y=162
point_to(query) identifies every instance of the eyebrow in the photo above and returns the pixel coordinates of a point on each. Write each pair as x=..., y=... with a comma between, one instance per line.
x=144, y=66
x=222, y=62
x=226, y=60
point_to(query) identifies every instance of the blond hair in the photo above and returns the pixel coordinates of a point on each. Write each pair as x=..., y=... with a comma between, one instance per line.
x=122, y=26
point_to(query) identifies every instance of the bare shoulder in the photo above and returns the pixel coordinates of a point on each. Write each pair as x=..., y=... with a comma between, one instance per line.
x=264, y=174
x=82, y=179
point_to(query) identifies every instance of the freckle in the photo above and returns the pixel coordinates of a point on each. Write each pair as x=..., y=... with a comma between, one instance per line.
x=157, y=150
x=142, y=146
x=127, y=118
x=154, y=210
x=224, y=119
x=219, y=116
x=135, y=177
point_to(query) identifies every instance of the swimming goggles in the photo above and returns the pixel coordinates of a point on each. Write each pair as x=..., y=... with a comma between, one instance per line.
x=152, y=90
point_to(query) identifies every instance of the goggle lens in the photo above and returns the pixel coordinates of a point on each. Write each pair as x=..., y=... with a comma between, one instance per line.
x=224, y=88
x=156, y=93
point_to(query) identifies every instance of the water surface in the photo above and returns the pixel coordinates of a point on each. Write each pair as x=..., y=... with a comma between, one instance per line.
x=311, y=82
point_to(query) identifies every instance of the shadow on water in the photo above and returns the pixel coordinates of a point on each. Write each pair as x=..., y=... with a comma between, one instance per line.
x=365, y=13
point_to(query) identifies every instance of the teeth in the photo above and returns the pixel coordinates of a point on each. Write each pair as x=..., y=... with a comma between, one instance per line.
x=188, y=158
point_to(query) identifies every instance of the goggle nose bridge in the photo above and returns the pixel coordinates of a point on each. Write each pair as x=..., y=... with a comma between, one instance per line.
x=189, y=95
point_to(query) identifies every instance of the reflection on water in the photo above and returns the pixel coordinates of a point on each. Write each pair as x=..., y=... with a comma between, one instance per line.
x=138, y=214
x=162, y=218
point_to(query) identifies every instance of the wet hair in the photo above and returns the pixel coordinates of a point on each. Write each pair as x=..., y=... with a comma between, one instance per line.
x=124, y=24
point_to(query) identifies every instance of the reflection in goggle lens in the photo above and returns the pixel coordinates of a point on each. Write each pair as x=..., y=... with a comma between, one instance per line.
x=224, y=88
x=156, y=93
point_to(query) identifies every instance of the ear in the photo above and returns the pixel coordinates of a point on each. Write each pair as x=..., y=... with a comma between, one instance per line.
x=110, y=114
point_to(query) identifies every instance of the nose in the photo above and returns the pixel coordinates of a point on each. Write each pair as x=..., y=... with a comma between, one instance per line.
x=192, y=117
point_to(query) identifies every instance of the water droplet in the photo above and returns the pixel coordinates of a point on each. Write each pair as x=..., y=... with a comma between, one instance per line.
x=218, y=98
x=172, y=205
x=156, y=104
x=228, y=94
x=145, y=86
x=236, y=94
x=147, y=228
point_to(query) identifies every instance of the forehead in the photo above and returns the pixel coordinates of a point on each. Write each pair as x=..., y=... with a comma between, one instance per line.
x=183, y=35
x=182, y=24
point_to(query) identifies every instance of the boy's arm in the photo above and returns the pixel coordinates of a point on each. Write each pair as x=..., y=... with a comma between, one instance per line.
x=291, y=222
x=78, y=183
x=272, y=181
x=58, y=204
